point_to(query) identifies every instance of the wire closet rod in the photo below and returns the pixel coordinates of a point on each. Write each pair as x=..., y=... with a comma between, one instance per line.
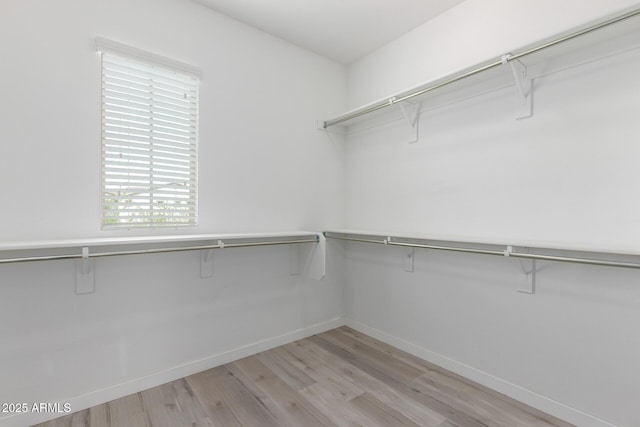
x=457, y=77
x=220, y=245
x=505, y=253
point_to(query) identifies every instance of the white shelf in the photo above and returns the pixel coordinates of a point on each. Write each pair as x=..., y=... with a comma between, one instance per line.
x=591, y=42
x=529, y=250
x=97, y=247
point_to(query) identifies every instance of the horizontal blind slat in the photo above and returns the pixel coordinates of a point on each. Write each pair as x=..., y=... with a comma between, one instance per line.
x=149, y=99
x=149, y=134
x=180, y=100
x=129, y=193
x=139, y=175
x=138, y=105
x=120, y=158
x=151, y=224
x=144, y=205
x=143, y=215
x=116, y=111
x=138, y=90
x=141, y=150
x=136, y=172
x=141, y=83
x=114, y=139
x=150, y=142
x=156, y=208
x=154, y=141
x=146, y=163
x=113, y=177
x=161, y=128
x=122, y=117
x=145, y=195
x=136, y=69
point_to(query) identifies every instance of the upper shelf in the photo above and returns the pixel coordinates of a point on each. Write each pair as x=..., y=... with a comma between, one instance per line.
x=100, y=247
x=526, y=251
x=590, y=42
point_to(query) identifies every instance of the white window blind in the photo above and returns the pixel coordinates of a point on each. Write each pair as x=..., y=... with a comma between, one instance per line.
x=149, y=144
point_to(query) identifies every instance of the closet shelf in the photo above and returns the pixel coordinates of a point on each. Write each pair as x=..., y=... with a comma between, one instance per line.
x=572, y=255
x=102, y=247
x=581, y=45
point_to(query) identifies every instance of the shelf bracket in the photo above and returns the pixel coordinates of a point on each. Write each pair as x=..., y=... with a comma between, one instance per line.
x=316, y=264
x=206, y=263
x=524, y=86
x=85, y=277
x=294, y=260
x=528, y=286
x=408, y=257
x=411, y=114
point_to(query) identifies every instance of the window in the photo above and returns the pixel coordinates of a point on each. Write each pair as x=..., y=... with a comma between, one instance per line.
x=149, y=140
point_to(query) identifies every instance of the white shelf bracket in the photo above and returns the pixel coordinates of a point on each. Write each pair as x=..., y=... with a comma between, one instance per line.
x=410, y=113
x=528, y=286
x=206, y=263
x=524, y=86
x=408, y=260
x=316, y=260
x=294, y=260
x=85, y=277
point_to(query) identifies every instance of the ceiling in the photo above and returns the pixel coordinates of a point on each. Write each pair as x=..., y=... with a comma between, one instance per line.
x=343, y=30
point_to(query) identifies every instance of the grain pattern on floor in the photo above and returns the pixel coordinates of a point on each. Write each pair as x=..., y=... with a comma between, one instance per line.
x=338, y=378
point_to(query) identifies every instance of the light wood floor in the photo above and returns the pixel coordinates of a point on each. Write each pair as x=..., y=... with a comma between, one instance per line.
x=338, y=378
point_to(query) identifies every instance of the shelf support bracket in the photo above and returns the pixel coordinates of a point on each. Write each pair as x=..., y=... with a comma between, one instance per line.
x=206, y=263
x=524, y=86
x=85, y=277
x=408, y=258
x=411, y=114
x=528, y=286
x=294, y=260
x=316, y=260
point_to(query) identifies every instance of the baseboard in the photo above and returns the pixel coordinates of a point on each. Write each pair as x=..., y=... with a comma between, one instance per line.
x=537, y=401
x=98, y=397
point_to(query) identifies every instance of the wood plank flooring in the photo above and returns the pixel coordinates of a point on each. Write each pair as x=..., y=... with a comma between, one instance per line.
x=338, y=378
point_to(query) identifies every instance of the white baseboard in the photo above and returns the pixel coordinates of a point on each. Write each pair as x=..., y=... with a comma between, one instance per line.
x=537, y=401
x=514, y=391
x=107, y=394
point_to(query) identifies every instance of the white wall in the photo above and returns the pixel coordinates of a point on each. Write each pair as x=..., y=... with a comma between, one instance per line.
x=570, y=350
x=152, y=319
x=565, y=177
x=263, y=167
x=562, y=178
x=260, y=98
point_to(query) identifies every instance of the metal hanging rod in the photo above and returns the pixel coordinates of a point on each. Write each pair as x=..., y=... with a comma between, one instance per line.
x=507, y=252
x=219, y=245
x=464, y=74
